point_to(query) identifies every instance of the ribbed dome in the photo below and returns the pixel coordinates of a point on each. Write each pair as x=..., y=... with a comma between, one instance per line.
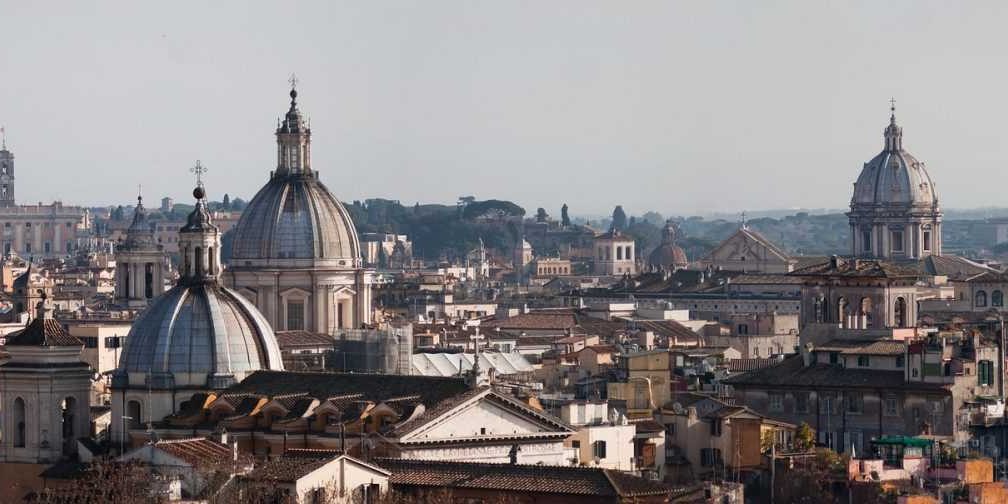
x=295, y=217
x=667, y=254
x=140, y=235
x=200, y=335
x=894, y=177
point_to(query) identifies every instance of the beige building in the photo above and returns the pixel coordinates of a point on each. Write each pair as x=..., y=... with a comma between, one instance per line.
x=749, y=251
x=36, y=230
x=551, y=267
x=614, y=254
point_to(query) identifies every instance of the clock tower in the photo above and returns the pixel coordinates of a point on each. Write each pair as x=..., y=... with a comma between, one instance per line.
x=6, y=174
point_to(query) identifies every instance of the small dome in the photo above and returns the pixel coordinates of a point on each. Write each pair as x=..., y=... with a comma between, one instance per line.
x=894, y=177
x=140, y=235
x=295, y=217
x=668, y=255
x=201, y=335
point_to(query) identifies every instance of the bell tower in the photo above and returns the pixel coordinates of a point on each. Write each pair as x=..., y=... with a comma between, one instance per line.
x=6, y=173
x=140, y=262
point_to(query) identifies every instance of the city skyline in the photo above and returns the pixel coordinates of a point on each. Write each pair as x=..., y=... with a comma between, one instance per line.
x=593, y=105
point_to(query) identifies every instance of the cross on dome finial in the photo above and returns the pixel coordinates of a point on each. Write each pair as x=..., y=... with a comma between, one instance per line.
x=3, y=138
x=199, y=170
x=139, y=194
x=293, y=92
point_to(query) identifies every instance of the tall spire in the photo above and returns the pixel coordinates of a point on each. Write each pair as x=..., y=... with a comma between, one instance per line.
x=893, y=133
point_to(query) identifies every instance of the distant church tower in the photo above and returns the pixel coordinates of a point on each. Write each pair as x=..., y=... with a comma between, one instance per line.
x=6, y=174
x=140, y=263
x=894, y=213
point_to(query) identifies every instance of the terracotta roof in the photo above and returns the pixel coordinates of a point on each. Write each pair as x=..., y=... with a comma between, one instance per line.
x=792, y=373
x=859, y=268
x=668, y=329
x=648, y=425
x=296, y=339
x=539, y=479
x=43, y=332
x=292, y=465
x=322, y=385
x=954, y=267
x=536, y=320
x=196, y=451
x=863, y=347
x=744, y=365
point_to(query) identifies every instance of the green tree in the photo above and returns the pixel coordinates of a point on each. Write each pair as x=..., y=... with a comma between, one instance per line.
x=564, y=217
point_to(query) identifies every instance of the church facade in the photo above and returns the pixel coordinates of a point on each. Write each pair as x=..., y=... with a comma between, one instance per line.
x=295, y=253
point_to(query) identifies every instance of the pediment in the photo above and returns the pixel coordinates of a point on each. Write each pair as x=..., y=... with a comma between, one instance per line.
x=488, y=415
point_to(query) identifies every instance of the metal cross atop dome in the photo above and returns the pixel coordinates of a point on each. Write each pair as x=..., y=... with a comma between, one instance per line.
x=293, y=80
x=892, y=104
x=199, y=170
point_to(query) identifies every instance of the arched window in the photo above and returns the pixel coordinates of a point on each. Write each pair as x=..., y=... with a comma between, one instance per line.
x=198, y=257
x=981, y=298
x=865, y=312
x=899, y=312
x=842, y=311
x=68, y=407
x=997, y=298
x=133, y=411
x=19, y=423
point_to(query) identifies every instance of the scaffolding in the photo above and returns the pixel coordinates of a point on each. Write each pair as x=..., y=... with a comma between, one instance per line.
x=376, y=351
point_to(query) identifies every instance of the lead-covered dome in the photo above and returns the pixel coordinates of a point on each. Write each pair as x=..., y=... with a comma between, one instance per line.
x=894, y=177
x=200, y=335
x=294, y=216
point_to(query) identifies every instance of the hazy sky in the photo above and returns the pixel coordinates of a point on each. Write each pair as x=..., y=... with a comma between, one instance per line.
x=679, y=107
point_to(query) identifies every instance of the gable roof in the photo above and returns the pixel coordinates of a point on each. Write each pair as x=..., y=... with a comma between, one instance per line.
x=195, y=451
x=956, y=268
x=749, y=234
x=483, y=393
x=863, y=347
x=43, y=331
x=323, y=385
x=561, y=480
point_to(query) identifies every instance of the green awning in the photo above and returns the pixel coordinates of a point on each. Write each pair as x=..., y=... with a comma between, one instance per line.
x=903, y=441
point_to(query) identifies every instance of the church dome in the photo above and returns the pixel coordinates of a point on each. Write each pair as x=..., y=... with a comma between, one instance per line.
x=668, y=254
x=894, y=177
x=201, y=335
x=140, y=234
x=294, y=216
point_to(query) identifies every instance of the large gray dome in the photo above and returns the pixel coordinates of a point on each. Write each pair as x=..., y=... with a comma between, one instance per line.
x=294, y=221
x=200, y=335
x=894, y=177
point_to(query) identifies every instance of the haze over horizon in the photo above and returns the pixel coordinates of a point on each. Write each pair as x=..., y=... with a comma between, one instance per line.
x=681, y=108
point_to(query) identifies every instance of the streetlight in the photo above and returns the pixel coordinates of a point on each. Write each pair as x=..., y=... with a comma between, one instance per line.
x=122, y=435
